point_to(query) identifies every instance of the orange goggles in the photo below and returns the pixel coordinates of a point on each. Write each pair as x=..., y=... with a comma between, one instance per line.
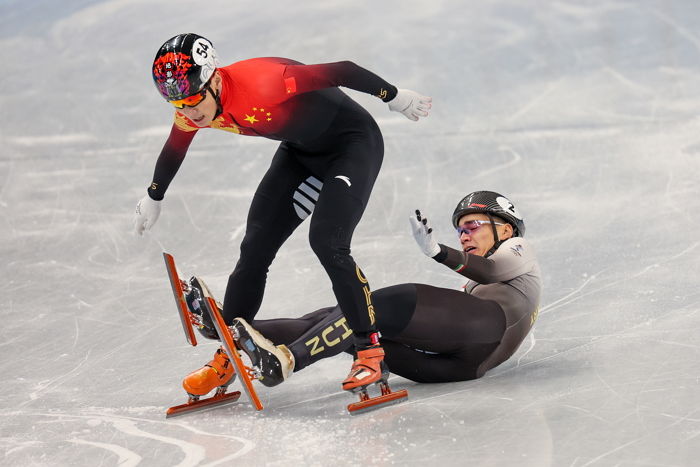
x=191, y=101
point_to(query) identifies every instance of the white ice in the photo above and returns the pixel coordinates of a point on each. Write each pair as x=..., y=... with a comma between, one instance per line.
x=584, y=113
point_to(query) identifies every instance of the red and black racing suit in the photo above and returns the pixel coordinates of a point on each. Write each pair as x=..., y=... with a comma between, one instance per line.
x=330, y=153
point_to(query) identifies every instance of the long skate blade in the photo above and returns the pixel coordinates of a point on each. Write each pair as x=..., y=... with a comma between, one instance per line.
x=232, y=351
x=183, y=311
x=378, y=402
x=203, y=404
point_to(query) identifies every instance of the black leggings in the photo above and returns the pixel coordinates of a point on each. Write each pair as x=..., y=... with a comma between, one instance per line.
x=346, y=159
x=429, y=334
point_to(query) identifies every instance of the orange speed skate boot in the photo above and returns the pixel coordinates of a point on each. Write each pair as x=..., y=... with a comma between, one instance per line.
x=218, y=373
x=368, y=368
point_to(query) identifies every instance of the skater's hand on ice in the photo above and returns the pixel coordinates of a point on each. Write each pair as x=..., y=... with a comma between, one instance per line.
x=424, y=235
x=147, y=212
x=411, y=104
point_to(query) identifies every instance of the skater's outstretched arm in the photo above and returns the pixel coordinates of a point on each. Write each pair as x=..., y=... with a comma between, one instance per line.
x=171, y=157
x=305, y=78
x=169, y=161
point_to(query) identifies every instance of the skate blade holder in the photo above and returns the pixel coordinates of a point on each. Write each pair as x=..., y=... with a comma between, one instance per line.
x=186, y=318
x=196, y=405
x=367, y=403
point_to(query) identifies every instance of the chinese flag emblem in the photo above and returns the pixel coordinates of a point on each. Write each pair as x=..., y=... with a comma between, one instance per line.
x=290, y=84
x=258, y=114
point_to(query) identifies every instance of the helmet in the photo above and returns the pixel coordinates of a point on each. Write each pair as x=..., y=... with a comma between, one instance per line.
x=491, y=203
x=183, y=66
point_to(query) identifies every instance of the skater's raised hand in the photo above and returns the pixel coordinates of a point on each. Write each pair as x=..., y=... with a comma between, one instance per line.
x=147, y=212
x=411, y=104
x=424, y=234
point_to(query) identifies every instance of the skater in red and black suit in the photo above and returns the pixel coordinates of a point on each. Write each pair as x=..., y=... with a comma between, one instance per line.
x=430, y=334
x=330, y=153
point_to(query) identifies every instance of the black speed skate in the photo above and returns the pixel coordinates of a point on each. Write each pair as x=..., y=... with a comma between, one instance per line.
x=196, y=292
x=272, y=363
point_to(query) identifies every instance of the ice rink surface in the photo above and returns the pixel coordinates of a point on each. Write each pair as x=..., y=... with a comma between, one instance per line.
x=586, y=114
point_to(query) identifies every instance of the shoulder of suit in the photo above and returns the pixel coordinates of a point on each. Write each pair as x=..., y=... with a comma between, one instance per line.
x=516, y=245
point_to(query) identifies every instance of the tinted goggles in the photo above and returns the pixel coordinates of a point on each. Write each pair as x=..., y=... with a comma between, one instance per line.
x=191, y=101
x=470, y=227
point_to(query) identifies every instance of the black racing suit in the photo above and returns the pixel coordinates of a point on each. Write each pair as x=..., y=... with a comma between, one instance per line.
x=330, y=154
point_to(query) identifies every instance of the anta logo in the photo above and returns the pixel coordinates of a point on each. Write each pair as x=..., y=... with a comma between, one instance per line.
x=517, y=250
x=344, y=178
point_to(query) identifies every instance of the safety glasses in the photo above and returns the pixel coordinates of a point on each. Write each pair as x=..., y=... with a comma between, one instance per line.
x=470, y=227
x=191, y=101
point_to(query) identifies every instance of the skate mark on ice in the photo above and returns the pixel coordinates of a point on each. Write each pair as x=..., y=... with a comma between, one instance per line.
x=565, y=299
x=652, y=434
x=127, y=458
x=186, y=207
x=690, y=37
x=532, y=346
x=533, y=102
x=513, y=161
x=569, y=298
x=684, y=252
x=19, y=444
x=628, y=83
x=313, y=399
x=43, y=386
x=194, y=453
x=77, y=333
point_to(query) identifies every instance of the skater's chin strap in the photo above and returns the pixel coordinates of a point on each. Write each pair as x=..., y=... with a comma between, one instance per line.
x=496, y=241
x=217, y=99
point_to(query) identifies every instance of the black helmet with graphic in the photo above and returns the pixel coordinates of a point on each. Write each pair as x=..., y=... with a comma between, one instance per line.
x=183, y=66
x=493, y=204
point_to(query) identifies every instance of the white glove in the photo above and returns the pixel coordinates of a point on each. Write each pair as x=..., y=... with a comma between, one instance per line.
x=411, y=104
x=424, y=235
x=147, y=212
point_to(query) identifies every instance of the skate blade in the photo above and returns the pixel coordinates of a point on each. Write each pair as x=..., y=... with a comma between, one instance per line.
x=378, y=402
x=202, y=404
x=186, y=318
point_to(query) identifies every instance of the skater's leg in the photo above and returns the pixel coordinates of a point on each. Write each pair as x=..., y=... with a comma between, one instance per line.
x=446, y=320
x=273, y=216
x=448, y=337
x=326, y=338
x=325, y=332
x=317, y=335
x=394, y=307
x=348, y=184
x=425, y=367
x=284, y=331
x=339, y=209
